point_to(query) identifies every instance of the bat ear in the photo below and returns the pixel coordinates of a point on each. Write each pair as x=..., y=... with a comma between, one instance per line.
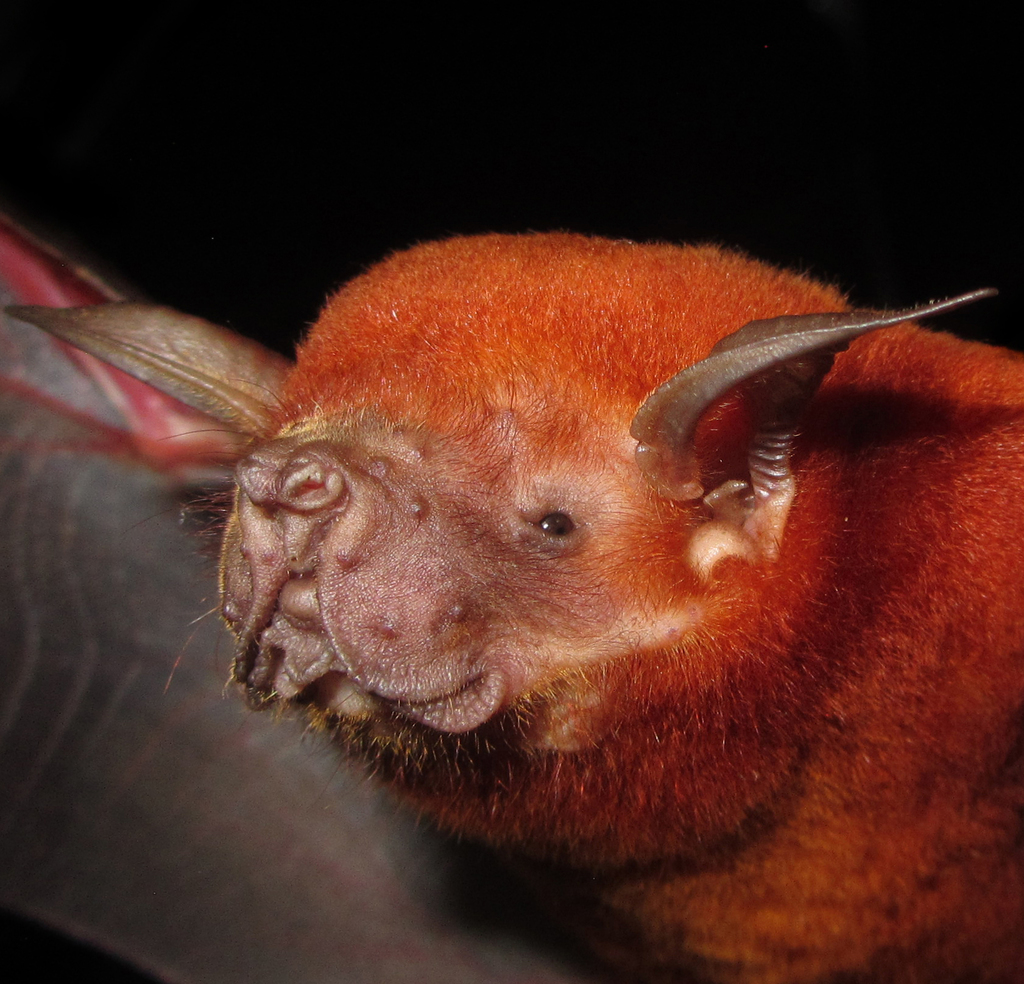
x=209, y=368
x=782, y=362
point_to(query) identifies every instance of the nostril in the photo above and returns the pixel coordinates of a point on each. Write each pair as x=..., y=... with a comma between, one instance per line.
x=308, y=483
x=299, y=479
x=256, y=479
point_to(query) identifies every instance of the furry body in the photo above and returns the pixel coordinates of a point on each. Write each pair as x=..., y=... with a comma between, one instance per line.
x=727, y=749
x=823, y=776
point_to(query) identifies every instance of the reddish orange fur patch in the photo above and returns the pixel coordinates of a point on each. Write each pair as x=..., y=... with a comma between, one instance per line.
x=824, y=777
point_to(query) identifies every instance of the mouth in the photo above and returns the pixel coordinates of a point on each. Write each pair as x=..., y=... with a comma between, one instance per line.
x=302, y=666
x=284, y=661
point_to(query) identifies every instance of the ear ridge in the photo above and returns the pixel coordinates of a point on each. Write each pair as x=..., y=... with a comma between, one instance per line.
x=209, y=368
x=782, y=361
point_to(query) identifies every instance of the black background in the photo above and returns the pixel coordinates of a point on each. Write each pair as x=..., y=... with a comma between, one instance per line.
x=240, y=165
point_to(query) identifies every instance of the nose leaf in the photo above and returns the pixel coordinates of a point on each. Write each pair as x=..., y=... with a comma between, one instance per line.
x=304, y=481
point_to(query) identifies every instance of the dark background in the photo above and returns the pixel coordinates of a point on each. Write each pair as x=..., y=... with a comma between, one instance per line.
x=241, y=165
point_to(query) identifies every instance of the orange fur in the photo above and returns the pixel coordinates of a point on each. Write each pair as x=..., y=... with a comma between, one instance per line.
x=821, y=778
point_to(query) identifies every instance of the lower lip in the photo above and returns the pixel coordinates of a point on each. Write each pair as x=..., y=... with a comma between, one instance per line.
x=478, y=700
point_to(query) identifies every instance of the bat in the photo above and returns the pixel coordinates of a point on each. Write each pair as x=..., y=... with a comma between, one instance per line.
x=144, y=812
x=657, y=569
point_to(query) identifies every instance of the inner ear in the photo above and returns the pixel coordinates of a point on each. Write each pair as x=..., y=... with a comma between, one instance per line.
x=778, y=363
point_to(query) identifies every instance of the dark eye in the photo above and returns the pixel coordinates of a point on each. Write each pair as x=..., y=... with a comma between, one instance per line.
x=557, y=524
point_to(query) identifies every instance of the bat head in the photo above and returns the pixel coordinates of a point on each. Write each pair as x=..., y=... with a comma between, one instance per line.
x=451, y=521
